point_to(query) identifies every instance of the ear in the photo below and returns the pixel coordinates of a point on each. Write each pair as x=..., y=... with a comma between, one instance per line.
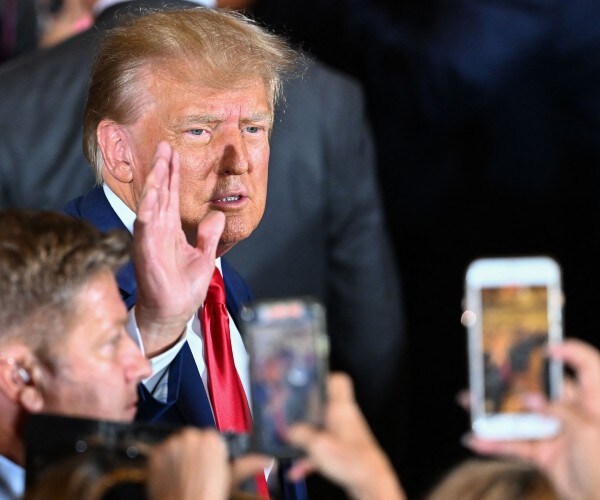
x=17, y=380
x=116, y=152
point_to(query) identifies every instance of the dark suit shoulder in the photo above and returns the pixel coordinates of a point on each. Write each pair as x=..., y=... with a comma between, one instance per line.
x=320, y=85
x=43, y=68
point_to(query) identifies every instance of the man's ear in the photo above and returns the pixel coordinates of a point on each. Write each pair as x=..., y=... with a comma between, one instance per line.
x=18, y=382
x=116, y=152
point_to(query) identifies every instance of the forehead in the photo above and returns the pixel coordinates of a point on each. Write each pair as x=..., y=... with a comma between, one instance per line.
x=97, y=310
x=181, y=87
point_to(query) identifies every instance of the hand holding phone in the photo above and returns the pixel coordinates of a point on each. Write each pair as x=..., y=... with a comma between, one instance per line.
x=288, y=350
x=513, y=311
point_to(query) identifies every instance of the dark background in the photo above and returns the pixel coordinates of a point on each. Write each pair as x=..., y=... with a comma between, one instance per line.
x=486, y=118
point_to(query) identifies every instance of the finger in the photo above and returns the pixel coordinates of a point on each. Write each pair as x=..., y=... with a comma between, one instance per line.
x=146, y=208
x=154, y=178
x=521, y=449
x=340, y=387
x=153, y=181
x=209, y=232
x=174, y=181
x=585, y=361
x=300, y=469
x=570, y=391
x=160, y=172
x=248, y=466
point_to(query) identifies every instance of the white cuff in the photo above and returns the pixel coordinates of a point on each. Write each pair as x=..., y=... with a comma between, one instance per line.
x=163, y=359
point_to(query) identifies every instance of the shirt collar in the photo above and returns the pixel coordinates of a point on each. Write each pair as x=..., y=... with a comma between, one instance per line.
x=128, y=216
x=124, y=213
x=12, y=479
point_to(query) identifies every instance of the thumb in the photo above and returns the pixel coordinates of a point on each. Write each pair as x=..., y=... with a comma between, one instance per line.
x=209, y=232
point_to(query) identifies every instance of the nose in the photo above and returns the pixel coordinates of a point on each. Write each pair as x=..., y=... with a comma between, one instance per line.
x=135, y=365
x=234, y=159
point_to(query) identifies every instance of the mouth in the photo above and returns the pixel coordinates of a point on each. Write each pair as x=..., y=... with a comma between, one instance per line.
x=231, y=200
x=132, y=405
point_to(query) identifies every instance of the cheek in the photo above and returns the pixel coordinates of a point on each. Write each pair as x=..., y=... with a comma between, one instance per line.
x=193, y=195
x=261, y=179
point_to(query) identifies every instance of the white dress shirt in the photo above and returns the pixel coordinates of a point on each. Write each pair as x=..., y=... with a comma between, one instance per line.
x=12, y=480
x=157, y=383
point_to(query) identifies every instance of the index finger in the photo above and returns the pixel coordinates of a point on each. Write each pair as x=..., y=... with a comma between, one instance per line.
x=585, y=361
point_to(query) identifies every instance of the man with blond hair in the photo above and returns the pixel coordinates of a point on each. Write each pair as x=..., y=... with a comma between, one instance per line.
x=63, y=343
x=193, y=92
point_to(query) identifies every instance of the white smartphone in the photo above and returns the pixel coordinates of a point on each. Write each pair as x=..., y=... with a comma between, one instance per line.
x=513, y=312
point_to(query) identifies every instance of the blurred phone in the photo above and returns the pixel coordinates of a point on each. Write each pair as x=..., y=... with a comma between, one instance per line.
x=513, y=312
x=288, y=348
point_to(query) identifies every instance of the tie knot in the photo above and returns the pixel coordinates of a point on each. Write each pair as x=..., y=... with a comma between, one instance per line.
x=216, y=289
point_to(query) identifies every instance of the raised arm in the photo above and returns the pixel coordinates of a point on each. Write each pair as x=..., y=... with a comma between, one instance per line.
x=345, y=451
x=172, y=275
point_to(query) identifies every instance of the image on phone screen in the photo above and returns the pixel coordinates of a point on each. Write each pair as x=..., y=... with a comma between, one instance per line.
x=515, y=335
x=287, y=371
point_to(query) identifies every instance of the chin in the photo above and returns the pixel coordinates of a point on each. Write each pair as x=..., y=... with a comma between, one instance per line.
x=235, y=232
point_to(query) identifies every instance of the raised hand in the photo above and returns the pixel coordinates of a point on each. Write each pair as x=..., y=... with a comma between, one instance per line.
x=572, y=459
x=194, y=465
x=345, y=451
x=172, y=275
x=191, y=465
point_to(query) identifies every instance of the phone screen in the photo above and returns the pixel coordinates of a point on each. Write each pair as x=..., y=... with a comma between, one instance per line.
x=288, y=362
x=515, y=331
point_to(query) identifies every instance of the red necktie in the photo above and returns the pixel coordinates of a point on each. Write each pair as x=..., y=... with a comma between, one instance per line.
x=225, y=389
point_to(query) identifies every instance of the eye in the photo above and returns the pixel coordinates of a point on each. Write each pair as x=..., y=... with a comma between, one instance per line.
x=116, y=340
x=197, y=131
x=112, y=344
x=252, y=129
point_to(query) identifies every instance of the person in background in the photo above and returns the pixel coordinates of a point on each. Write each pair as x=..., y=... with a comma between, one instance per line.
x=63, y=21
x=27, y=25
x=494, y=479
x=18, y=28
x=64, y=344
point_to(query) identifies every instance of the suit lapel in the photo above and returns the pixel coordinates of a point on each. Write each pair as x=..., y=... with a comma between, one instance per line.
x=186, y=404
x=95, y=208
x=236, y=290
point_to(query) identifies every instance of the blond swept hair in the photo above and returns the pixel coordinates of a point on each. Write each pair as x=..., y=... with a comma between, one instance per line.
x=224, y=47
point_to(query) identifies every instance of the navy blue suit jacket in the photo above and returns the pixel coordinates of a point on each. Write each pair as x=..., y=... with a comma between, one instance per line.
x=187, y=402
x=182, y=406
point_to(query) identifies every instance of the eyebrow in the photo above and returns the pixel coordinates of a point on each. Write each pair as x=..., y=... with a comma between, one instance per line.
x=254, y=117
